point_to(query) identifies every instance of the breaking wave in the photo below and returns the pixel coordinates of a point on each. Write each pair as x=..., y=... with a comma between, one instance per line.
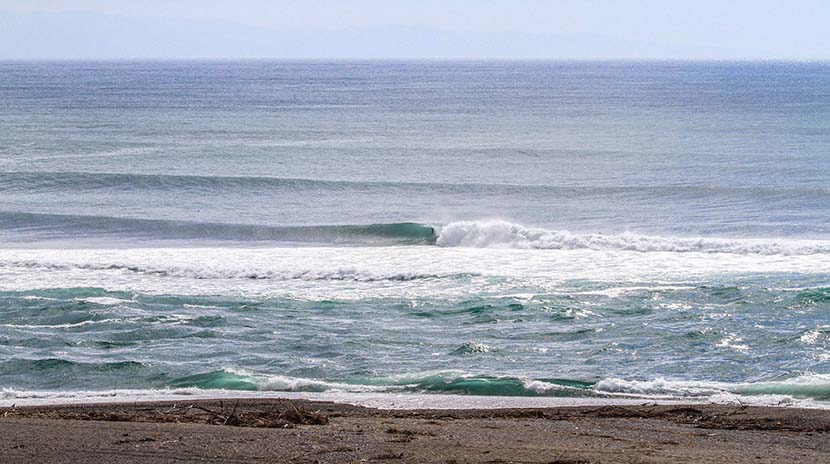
x=812, y=390
x=477, y=234
x=503, y=234
x=813, y=386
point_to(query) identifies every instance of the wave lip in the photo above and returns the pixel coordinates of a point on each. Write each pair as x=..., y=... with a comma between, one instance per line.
x=503, y=234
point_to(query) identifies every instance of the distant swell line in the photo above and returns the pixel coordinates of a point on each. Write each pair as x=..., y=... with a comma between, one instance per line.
x=29, y=181
x=70, y=180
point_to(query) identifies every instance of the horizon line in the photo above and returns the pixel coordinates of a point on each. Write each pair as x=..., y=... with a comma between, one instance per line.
x=422, y=59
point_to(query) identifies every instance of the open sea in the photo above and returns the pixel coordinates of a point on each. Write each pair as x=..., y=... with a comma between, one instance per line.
x=588, y=230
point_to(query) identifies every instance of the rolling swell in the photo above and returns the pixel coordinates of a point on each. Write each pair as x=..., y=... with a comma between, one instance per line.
x=87, y=181
x=75, y=181
x=37, y=226
x=23, y=227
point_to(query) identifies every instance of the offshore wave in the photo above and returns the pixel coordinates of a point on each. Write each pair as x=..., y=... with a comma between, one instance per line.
x=31, y=181
x=81, y=181
x=33, y=226
x=476, y=234
x=503, y=234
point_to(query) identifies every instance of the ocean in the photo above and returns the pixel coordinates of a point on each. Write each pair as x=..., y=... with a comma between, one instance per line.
x=566, y=230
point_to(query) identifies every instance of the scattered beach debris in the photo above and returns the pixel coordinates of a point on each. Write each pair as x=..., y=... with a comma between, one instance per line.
x=284, y=414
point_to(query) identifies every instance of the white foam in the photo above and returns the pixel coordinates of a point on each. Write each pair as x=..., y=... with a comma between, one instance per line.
x=283, y=383
x=540, y=387
x=10, y=397
x=350, y=273
x=497, y=233
x=786, y=389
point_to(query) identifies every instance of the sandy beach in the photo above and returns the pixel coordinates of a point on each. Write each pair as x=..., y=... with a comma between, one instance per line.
x=252, y=430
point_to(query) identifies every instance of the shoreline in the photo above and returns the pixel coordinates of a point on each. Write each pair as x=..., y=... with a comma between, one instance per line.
x=389, y=400
x=295, y=430
x=374, y=400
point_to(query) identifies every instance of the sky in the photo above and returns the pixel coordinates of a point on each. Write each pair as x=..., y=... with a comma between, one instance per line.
x=374, y=29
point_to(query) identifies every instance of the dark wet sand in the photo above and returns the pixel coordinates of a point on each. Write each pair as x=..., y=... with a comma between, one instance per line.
x=303, y=431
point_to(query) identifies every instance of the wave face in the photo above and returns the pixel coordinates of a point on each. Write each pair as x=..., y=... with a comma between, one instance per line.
x=504, y=234
x=35, y=227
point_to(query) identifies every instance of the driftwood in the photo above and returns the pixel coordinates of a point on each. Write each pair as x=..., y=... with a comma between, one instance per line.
x=285, y=418
x=284, y=415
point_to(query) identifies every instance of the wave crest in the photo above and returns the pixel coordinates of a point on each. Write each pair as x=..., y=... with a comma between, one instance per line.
x=503, y=234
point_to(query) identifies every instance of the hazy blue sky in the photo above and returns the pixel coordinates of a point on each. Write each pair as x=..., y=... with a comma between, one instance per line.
x=721, y=29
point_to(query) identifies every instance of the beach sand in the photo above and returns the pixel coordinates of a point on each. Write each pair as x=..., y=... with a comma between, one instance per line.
x=256, y=430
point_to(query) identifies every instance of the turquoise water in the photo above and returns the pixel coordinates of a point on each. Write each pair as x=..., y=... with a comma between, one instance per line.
x=541, y=229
